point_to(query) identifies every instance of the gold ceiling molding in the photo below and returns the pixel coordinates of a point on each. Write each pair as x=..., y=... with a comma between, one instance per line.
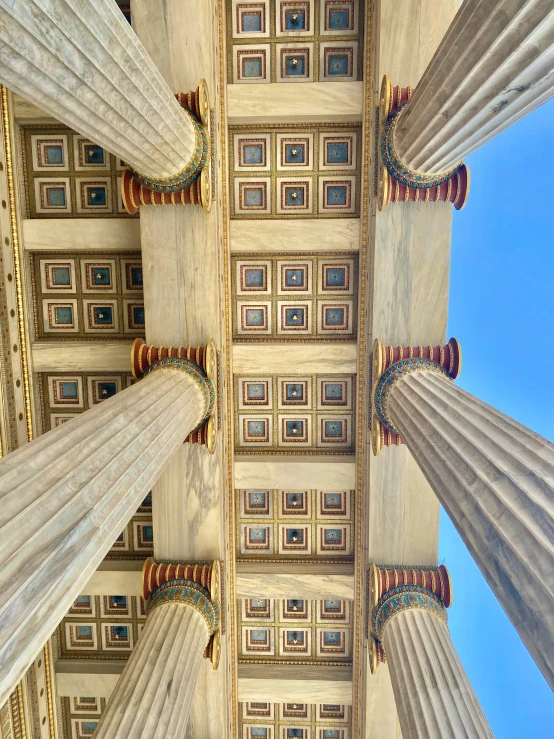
x=6, y=132
x=221, y=25
x=368, y=127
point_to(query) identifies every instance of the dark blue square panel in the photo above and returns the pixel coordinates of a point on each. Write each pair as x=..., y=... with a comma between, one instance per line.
x=338, y=65
x=295, y=66
x=64, y=315
x=333, y=536
x=294, y=196
x=257, y=499
x=339, y=19
x=255, y=277
x=334, y=316
x=61, y=275
x=258, y=535
x=97, y=195
x=337, y=153
x=253, y=154
x=252, y=68
x=94, y=154
x=336, y=195
x=55, y=196
x=69, y=390
x=294, y=316
x=148, y=533
x=256, y=428
x=251, y=22
x=118, y=601
x=335, y=277
x=136, y=276
x=294, y=536
x=295, y=153
x=54, y=155
x=332, y=500
x=294, y=391
x=294, y=428
x=333, y=391
x=254, y=197
x=138, y=315
x=103, y=315
x=295, y=278
x=102, y=276
x=107, y=389
x=333, y=428
x=295, y=20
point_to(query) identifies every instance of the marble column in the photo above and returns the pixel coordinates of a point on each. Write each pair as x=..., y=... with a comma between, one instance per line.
x=493, y=66
x=83, y=64
x=153, y=697
x=433, y=695
x=495, y=479
x=66, y=496
x=409, y=632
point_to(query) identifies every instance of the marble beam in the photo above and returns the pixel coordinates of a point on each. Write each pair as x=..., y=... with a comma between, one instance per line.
x=340, y=234
x=87, y=677
x=81, y=234
x=114, y=582
x=264, y=584
x=308, y=684
x=81, y=356
x=280, y=102
x=305, y=358
x=320, y=474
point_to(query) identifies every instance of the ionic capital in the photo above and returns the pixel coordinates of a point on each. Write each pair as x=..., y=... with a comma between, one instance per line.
x=201, y=364
x=195, y=585
x=191, y=185
x=396, y=588
x=388, y=365
x=396, y=181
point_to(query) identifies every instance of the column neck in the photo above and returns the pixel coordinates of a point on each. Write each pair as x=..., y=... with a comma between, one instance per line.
x=389, y=365
x=195, y=585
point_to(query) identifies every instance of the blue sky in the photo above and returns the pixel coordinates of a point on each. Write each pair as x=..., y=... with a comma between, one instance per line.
x=501, y=295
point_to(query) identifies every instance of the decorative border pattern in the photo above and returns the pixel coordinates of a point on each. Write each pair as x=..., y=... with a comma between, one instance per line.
x=302, y=413
x=274, y=31
x=321, y=161
x=402, y=598
x=287, y=631
x=261, y=720
x=82, y=186
x=294, y=525
x=298, y=297
x=88, y=295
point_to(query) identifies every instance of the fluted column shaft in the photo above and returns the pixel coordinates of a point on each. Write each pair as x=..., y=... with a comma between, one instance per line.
x=493, y=66
x=65, y=497
x=433, y=695
x=82, y=63
x=495, y=479
x=153, y=696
